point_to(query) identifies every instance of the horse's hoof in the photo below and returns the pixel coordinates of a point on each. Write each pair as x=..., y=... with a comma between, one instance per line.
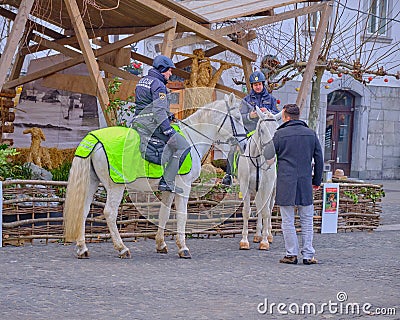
x=125, y=254
x=264, y=246
x=184, y=254
x=244, y=245
x=270, y=239
x=83, y=255
x=162, y=250
x=257, y=239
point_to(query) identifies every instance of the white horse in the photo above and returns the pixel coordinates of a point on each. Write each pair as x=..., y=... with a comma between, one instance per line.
x=217, y=121
x=257, y=176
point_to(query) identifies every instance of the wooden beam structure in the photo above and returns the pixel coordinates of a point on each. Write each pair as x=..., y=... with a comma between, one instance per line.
x=117, y=72
x=169, y=36
x=89, y=57
x=15, y=36
x=139, y=20
x=102, y=51
x=243, y=39
x=315, y=50
x=249, y=24
x=157, y=8
x=19, y=58
x=32, y=24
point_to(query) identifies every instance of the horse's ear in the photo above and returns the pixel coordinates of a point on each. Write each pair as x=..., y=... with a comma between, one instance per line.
x=261, y=114
x=278, y=116
x=230, y=99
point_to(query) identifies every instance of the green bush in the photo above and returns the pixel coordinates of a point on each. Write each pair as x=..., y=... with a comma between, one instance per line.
x=62, y=172
x=9, y=169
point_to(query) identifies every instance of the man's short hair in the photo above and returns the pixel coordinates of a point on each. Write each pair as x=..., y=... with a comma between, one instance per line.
x=292, y=110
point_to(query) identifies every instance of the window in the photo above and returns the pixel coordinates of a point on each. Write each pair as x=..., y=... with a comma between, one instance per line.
x=377, y=19
x=313, y=20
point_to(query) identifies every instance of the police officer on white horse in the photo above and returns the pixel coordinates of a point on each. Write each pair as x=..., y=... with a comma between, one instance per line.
x=260, y=97
x=153, y=118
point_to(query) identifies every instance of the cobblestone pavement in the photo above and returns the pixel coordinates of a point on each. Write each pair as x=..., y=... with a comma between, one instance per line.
x=220, y=282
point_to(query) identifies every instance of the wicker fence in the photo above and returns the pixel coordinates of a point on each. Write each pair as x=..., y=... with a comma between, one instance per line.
x=33, y=210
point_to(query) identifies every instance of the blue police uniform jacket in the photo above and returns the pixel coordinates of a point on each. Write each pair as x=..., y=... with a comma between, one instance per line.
x=152, y=103
x=249, y=103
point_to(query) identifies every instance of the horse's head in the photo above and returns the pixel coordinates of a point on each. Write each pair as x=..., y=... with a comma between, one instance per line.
x=218, y=121
x=233, y=122
x=265, y=131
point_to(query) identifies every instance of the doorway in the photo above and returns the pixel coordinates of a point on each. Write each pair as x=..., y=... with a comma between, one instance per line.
x=339, y=130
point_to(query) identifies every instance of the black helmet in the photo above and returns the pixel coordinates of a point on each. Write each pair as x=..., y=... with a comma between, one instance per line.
x=163, y=63
x=257, y=76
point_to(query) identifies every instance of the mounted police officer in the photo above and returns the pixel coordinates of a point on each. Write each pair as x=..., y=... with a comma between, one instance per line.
x=153, y=119
x=258, y=96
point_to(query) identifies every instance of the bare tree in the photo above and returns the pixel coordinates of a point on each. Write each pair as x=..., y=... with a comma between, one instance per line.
x=353, y=46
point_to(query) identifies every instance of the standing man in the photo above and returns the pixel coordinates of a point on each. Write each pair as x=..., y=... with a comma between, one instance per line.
x=153, y=118
x=260, y=97
x=296, y=146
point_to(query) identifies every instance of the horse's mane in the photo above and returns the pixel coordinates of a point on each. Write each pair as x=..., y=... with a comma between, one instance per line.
x=204, y=111
x=263, y=139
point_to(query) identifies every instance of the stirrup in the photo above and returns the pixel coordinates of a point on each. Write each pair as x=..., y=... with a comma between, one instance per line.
x=163, y=186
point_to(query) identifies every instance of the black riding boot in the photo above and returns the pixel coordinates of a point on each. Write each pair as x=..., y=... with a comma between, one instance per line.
x=167, y=182
x=227, y=180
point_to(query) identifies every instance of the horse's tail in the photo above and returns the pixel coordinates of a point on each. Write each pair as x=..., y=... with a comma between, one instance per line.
x=75, y=198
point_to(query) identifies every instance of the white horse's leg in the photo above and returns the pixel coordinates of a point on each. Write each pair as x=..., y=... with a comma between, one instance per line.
x=115, y=193
x=181, y=216
x=262, y=210
x=244, y=243
x=81, y=248
x=166, y=202
x=257, y=237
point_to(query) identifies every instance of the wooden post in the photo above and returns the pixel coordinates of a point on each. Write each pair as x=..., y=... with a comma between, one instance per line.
x=14, y=38
x=169, y=36
x=106, y=74
x=89, y=57
x=19, y=59
x=315, y=50
x=243, y=39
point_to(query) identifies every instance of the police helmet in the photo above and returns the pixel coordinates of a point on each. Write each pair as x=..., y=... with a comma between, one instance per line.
x=163, y=63
x=257, y=76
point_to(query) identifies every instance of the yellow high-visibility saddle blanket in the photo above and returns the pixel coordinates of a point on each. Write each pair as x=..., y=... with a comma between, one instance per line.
x=125, y=162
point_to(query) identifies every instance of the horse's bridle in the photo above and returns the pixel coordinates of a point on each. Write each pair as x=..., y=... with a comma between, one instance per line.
x=254, y=159
x=234, y=141
x=235, y=135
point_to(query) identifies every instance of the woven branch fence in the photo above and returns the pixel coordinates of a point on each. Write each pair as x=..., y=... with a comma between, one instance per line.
x=32, y=210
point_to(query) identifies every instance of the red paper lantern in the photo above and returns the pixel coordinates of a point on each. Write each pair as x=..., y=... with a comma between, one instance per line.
x=278, y=101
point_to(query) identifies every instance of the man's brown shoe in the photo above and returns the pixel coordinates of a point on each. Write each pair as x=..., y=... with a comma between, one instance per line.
x=310, y=261
x=289, y=260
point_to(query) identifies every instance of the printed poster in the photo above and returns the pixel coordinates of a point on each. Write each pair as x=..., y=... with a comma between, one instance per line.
x=330, y=208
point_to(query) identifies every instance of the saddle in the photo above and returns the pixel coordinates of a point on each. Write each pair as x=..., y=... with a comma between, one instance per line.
x=151, y=148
